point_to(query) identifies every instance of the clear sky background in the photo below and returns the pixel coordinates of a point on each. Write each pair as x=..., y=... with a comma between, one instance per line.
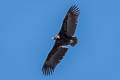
x=26, y=28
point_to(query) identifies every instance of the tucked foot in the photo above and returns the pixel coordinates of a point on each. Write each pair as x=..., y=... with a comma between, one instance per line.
x=71, y=41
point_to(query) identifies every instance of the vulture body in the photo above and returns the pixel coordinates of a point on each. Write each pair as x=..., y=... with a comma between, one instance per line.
x=62, y=39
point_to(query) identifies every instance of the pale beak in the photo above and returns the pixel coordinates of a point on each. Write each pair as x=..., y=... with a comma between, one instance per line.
x=52, y=37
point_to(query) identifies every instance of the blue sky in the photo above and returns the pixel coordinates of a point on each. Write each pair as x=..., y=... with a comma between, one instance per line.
x=26, y=28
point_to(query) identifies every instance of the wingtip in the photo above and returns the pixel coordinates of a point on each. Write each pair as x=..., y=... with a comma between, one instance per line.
x=47, y=70
x=75, y=9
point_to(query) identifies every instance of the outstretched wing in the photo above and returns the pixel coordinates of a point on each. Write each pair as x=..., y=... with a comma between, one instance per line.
x=53, y=58
x=70, y=21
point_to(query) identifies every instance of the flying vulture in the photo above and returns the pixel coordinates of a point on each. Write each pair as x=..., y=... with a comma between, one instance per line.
x=62, y=39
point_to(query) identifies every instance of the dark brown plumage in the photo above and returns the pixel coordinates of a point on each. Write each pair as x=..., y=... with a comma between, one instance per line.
x=63, y=39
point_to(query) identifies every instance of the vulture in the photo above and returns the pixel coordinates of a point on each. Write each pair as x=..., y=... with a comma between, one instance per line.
x=62, y=39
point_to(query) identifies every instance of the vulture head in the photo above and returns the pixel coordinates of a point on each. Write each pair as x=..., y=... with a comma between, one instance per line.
x=56, y=37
